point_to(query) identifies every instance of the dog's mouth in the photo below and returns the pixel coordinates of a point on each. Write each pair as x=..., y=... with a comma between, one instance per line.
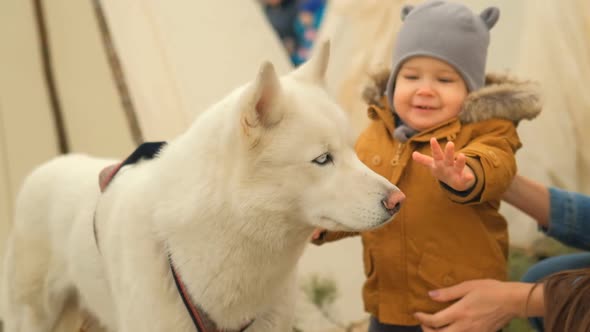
x=344, y=228
x=384, y=222
x=337, y=224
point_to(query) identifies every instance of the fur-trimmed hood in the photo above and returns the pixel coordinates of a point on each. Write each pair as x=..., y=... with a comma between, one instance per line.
x=502, y=97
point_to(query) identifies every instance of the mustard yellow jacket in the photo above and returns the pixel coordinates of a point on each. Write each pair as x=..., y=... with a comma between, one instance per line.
x=440, y=237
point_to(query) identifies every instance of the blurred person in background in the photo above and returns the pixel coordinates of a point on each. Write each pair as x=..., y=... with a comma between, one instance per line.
x=296, y=22
x=307, y=24
x=282, y=15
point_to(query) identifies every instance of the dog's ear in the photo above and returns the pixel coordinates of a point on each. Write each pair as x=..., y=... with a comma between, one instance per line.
x=260, y=99
x=314, y=69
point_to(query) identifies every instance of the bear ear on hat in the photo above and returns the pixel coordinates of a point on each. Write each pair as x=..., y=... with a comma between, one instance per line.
x=490, y=16
x=406, y=10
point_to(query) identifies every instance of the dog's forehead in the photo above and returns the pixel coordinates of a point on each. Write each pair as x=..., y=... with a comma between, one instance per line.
x=310, y=98
x=321, y=121
x=310, y=104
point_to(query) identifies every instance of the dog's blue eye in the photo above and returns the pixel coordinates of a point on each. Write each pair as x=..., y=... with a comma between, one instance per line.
x=323, y=159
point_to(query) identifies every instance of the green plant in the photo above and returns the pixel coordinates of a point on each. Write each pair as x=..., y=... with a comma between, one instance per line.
x=322, y=292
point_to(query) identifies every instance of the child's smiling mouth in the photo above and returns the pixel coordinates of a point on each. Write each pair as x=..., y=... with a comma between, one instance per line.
x=424, y=107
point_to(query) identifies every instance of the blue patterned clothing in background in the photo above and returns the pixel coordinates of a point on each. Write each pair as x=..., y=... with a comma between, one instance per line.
x=309, y=18
x=296, y=22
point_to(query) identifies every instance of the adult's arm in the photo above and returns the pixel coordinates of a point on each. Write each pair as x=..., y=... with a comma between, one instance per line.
x=530, y=197
x=561, y=214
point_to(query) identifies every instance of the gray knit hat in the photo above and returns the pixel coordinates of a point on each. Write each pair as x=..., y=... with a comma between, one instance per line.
x=447, y=31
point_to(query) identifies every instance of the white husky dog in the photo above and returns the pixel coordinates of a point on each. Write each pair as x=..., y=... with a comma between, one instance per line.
x=206, y=236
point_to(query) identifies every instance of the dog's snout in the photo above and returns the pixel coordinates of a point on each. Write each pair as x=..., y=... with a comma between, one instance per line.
x=393, y=202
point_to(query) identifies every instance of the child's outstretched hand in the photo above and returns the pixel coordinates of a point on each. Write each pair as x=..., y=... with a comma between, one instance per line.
x=447, y=167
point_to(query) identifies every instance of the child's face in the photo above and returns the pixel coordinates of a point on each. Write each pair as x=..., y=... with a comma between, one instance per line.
x=428, y=92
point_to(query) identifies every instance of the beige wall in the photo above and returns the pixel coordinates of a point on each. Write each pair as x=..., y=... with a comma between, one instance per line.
x=27, y=134
x=6, y=196
x=93, y=113
x=506, y=35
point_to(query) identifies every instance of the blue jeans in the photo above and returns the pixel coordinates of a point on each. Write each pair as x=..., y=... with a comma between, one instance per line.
x=376, y=326
x=552, y=265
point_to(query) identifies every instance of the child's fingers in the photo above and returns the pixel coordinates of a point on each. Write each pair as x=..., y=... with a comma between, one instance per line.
x=460, y=162
x=422, y=159
x=449, y=154
x=437, y=152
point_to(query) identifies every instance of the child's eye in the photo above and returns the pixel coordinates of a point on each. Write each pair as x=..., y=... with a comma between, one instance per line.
x=411, y=77
x=446, y=80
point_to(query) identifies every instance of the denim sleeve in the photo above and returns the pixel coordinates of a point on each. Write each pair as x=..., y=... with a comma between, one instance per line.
x=569, y=220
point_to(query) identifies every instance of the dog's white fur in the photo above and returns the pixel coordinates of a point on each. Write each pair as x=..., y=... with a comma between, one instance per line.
x=234, y=201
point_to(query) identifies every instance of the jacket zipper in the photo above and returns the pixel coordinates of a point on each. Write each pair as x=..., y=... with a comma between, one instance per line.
x=398, y=154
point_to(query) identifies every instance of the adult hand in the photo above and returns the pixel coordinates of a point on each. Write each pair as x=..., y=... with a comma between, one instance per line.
x=447, y=167
x=483, y=306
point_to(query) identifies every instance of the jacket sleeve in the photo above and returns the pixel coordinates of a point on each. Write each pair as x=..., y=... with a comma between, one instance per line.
x=569, y=218
x=491, y=157
x=333, y=236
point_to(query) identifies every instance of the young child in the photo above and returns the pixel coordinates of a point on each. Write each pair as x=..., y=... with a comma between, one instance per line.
x=449, y=229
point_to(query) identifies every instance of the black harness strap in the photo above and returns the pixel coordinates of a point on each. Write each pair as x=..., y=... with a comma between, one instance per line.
x=144, y=151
